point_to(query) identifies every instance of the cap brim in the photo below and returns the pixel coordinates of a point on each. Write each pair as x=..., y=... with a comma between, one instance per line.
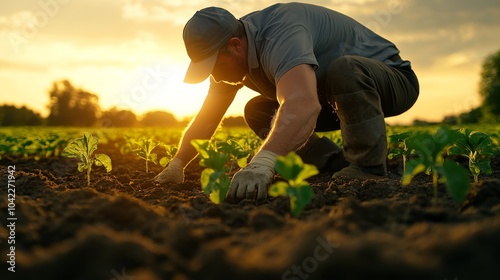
x=197, y=72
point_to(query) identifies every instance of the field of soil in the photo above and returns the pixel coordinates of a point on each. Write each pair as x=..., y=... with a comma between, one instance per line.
x=125, y=226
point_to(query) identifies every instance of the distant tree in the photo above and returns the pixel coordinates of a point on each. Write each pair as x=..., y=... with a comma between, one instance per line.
x=450, y=120
x=489, y=88
x=473, y=116
x=418, y=122
x=70, y=106
x=13, y=116
x=159, y=118
x=118, y=118
x=185, y=121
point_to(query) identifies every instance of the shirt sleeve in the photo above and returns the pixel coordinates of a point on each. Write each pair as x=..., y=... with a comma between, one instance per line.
x=285, y=49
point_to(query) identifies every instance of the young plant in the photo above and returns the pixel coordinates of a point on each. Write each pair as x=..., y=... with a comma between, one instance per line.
x=83, y=149
x=399, y=147
x=170, y=151
x=250, y=143
x=295, y=171
x=143, y=148
x=476, y=146
x=430, y=149
x=214, y=179
x=237, y=154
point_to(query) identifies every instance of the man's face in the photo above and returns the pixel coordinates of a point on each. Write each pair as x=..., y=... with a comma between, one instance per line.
x=230, y=65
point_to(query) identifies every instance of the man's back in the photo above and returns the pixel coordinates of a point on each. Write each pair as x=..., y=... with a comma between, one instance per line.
x=286, y=35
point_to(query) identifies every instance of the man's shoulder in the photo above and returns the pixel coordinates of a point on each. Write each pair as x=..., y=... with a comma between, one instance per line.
x=278, y=11
x=283, y=15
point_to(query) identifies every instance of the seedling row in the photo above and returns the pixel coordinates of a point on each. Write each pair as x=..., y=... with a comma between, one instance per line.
x=433, y=151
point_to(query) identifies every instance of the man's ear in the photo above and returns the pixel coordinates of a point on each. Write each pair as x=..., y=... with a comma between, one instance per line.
x=234, y=44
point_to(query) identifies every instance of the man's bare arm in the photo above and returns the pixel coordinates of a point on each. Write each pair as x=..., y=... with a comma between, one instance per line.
x=296, y=118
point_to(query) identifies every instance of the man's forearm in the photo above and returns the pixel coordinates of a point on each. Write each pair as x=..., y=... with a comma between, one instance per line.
x=206, y=121
x=299, y=108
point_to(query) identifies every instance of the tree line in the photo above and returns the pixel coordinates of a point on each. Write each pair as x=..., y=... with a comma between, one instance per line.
x=71, y=106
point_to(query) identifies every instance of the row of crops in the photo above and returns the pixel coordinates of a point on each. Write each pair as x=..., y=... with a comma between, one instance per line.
x=43, y=142
x=39, y=142
x=429, y=150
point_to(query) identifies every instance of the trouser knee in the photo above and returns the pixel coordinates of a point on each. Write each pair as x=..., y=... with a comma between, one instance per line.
x=259, y=113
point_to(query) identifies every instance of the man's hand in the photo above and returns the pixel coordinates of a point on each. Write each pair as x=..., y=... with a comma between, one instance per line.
x=174, y=172
x=253, y=180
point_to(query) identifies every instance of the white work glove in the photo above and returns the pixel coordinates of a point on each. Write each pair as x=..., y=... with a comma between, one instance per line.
x=174, y=172
x=253, y=180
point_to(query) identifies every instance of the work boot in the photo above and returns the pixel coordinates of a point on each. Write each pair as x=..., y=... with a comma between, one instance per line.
x=365, y=148
x=365, y=143
x=323, y=153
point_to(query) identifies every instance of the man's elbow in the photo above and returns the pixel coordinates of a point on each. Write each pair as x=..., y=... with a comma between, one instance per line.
x=314, y=109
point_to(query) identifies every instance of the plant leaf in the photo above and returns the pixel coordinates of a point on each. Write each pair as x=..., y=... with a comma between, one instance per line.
x=307, y=171
x=90, y=143
x=242, y=162
x=413, y=167
x=278, y=189
x=216, y=183
x=218, y=195
x=74, y=149
x=205, y=180
x=457, y=180
x=151, y=144
x=482, y=144
x=164, y=161
x=153, y=158
x=82, y=166
x=103, y=160
x=201, y=146
x=483, y=164
x=288, y=166
x=302, y=197
x=292, y=168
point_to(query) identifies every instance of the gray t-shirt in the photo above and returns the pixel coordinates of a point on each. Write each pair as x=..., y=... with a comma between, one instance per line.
x=283, y=36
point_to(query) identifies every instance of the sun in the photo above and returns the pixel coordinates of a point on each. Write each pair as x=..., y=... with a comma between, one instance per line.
x=161, y=87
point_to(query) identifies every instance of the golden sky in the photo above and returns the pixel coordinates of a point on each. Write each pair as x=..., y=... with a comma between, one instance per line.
x=131, y=54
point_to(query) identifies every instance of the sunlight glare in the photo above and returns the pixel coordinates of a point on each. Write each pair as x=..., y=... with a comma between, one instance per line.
x=161, y=87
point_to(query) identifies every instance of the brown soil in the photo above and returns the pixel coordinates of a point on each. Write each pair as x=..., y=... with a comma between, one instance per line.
x=127, y=227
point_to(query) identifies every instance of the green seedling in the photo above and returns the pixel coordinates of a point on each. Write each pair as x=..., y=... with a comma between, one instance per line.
x=250, y=143
x=399, y=147
x=430, y=149
x=237, y=155
x=214, y=179
x=170, y=151
x=83, y=149
x=26, y=147
x=295, y=171
x=143, y=148
x=478, y=148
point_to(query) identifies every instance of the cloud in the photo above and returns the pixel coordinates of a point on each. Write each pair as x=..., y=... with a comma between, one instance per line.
x=16, y=66
x=59, y=36
x=429, y=30
x=422, y=27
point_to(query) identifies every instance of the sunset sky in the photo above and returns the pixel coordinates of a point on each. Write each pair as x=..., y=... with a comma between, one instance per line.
x=131, y=54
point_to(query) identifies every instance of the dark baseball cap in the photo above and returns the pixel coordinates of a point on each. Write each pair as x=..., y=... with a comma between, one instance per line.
x=204, y=34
